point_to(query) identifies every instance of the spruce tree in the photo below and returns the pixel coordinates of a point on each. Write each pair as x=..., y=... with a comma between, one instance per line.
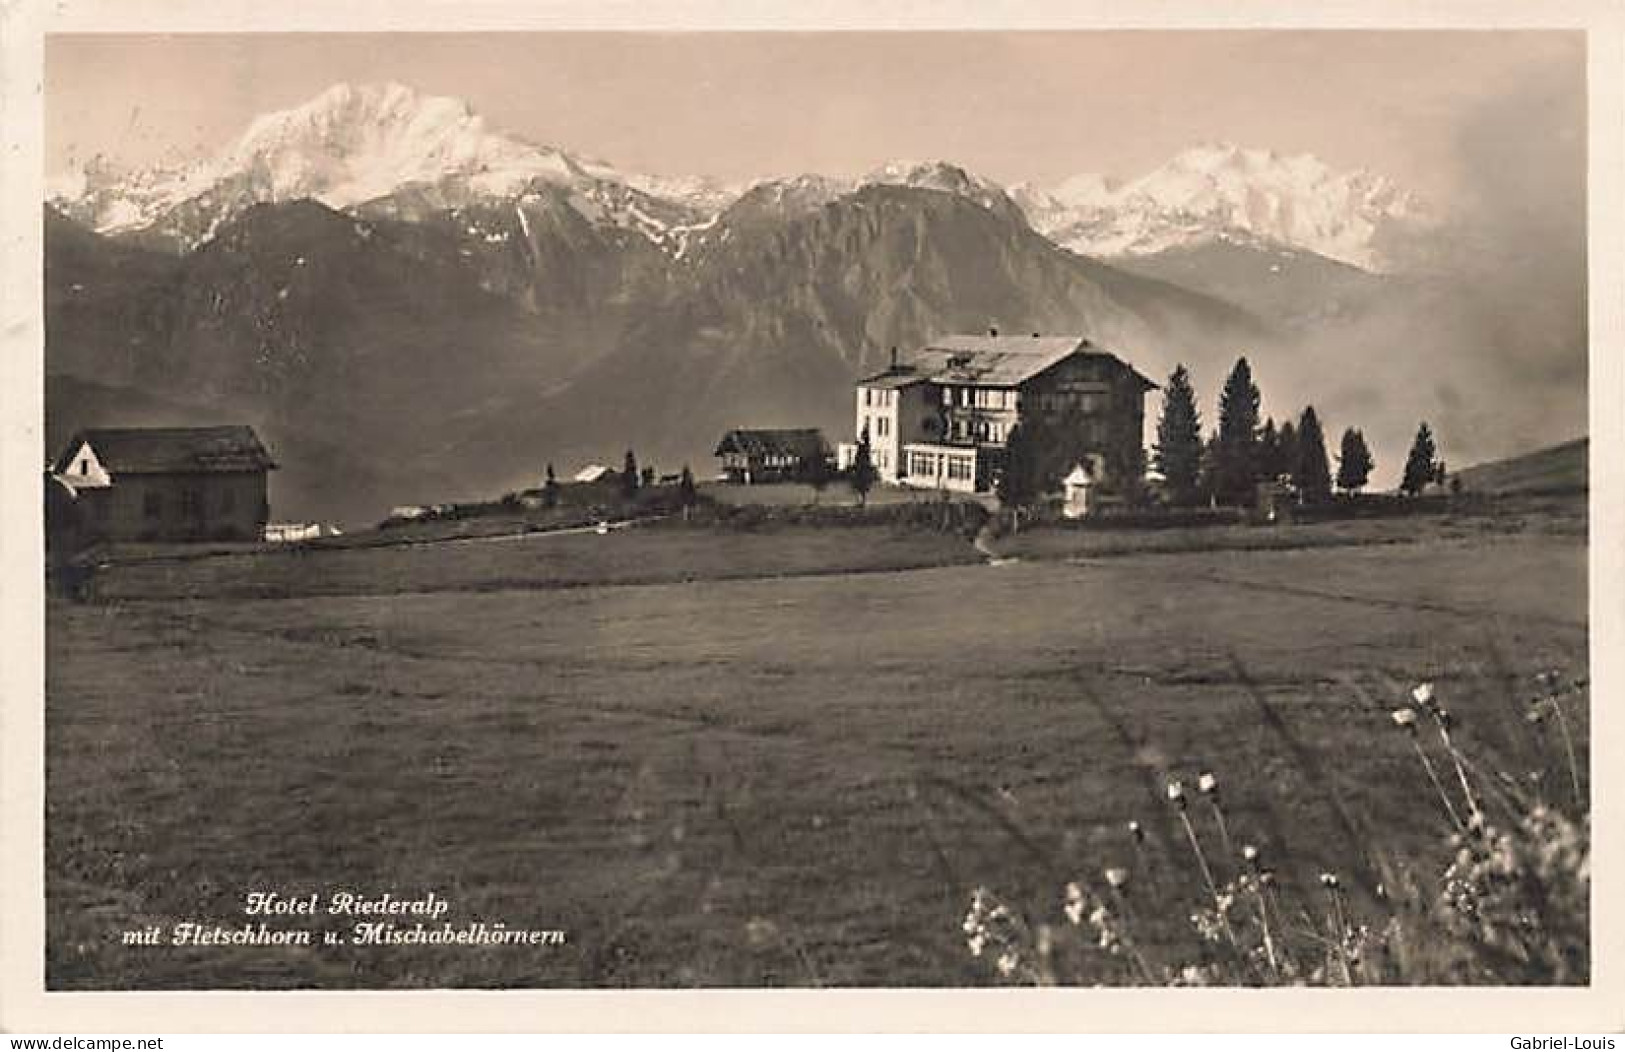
x=862, y=474
x=1236, y=467
x=1354, y=462
x=1313, y=474
x=550, y=488
x=1421, y=466
x=1208, y=486
x=1020, y=477
x=629, y=476
x=1286, y=451
x=1178, y=452
x=815, y=472
x=1269, y=451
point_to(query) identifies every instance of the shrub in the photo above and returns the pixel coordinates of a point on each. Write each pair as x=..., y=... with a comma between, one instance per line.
x=1504, y=901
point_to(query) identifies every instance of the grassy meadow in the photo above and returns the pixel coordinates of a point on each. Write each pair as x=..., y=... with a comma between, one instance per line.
x=720, y=758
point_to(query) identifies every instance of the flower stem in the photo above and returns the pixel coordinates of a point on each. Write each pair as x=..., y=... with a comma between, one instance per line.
x=1568, y=746
x=1224, y=829
x=1201, y=859
x=1473, y=810
x=1433, y=776
x=1264, y=926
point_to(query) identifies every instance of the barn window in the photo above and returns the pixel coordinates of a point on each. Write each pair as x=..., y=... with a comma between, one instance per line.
x=152, y=505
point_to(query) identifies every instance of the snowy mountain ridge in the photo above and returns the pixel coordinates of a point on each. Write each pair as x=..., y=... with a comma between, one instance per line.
x=394, y=150
x=355, y=145
x=1220, y=191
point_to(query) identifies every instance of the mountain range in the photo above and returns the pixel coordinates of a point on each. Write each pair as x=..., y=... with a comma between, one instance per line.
x=412, y=306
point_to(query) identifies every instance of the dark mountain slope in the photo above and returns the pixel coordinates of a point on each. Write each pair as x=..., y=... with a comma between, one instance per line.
x=1290, y=287
x=776, y=323
x=451, y=354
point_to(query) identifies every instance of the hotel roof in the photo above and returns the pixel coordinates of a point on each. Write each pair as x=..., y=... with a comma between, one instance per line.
x=990, y=361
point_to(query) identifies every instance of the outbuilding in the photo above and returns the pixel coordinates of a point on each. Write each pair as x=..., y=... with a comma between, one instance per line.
x=167, y=483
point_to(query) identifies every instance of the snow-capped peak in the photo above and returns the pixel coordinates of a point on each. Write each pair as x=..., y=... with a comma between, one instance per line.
x=939, y=175
x=353, y=143
x=1219, y=188
x=359, y=143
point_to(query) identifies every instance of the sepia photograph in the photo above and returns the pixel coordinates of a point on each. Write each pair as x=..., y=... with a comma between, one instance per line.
x=536, y=510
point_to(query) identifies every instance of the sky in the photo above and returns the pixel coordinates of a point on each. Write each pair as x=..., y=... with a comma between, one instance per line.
x=1037, y=106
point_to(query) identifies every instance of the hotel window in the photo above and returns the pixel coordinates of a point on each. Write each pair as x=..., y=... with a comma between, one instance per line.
x=868, y=396
x=152, y=505
x=228, y=500
x=883, y=426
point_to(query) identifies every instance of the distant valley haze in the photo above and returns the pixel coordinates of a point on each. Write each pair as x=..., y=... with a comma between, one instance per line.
x=426, y=269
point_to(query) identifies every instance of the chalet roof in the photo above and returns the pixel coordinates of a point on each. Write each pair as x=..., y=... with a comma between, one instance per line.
x=894, y=379
x=803, y=443
x=172, y=450
x=1003, y=361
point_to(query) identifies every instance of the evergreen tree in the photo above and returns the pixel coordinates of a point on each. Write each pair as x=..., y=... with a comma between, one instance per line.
x=646, y=477
x=1178, y=452
x=1208, y=484
x=1354, y=462
x=862, y=474
x=629, y=476
x=1421, y=466
x=1312, y=472
x=1269, y=451
x=687, y=497
x=1312, y=475
x=816, y=473
x=1286, y=451
x=1020, y=481
x=1236, y=467
x=550, y=488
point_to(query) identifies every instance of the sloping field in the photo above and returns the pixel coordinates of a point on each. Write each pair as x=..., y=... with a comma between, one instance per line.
x=1560, y=468
x=754, y=781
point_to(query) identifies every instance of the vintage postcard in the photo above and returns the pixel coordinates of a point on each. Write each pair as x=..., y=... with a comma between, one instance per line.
x=560, y=504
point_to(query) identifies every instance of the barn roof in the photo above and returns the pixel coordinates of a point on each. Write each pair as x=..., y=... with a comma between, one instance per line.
x=172, y=450
x=804, y=443
x=1001, y=361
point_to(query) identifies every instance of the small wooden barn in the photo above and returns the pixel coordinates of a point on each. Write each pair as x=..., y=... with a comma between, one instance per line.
x=750, y=456
x=166, y=484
